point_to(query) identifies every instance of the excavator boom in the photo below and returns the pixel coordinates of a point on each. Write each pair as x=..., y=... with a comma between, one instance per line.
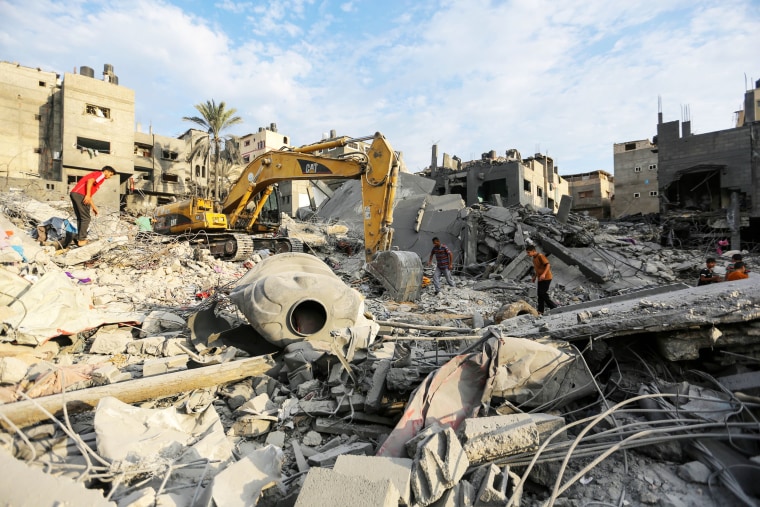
x=400, y=272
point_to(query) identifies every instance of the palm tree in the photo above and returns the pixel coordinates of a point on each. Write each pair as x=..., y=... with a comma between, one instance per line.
x=214, y=119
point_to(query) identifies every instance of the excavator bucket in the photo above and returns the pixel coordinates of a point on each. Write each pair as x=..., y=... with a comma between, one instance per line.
x=399, y=272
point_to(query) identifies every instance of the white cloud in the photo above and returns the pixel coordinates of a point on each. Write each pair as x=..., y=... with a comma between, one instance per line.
x=570, y=78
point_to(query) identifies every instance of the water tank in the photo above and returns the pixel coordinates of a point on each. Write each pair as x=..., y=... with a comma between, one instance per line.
x=273, y=127
x=107, y=68
x=115, y=79
x=87, y=71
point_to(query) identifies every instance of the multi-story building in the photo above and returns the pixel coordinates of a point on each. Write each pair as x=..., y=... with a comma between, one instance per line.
x=31, y=106
x=636, y=184
x=56, y=131
x=592, y=193
x=502, y=181
x=715, y=172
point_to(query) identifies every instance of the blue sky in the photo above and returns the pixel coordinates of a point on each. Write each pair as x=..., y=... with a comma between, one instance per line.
x=568, y=78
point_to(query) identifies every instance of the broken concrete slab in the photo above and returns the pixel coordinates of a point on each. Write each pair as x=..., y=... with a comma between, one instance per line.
x=377, y=390
x=373, y=468
x=439, y=463
x=163, y=365
x=324, y=487
x=486, y=439
x=341, y=427
x=569, y=257
x=242, y=483
x=328, y=457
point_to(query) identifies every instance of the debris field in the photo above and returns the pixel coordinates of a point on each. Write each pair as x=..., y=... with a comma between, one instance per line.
x=138, y=370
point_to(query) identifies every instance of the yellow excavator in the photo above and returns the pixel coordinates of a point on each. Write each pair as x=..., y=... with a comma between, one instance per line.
x=249, y=217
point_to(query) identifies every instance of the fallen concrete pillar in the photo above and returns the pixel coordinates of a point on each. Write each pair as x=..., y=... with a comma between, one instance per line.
x=555, y=248
x=565, y=204
x=374, y=468
x=376, y=392
x=24, y=413
x=326, y=487
x=439, y=463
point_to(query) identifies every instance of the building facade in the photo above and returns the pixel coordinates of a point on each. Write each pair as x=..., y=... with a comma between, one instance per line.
x=501, y=181
x=55, y=131
x=636, y=183
x=592, y=193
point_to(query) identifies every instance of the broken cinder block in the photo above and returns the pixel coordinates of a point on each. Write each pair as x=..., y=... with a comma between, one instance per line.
x=440, y=462
x=158, y=366
x=327, y=487
x=328, y=457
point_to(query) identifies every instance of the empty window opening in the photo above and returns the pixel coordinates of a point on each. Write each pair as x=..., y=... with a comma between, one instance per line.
x=197, y=171
x=585, y=194
x=37, y=117
x=99, y=111
x=42, y=83
x=247, y=158
x=142, y=150
x=526, y=185
x=169, y=178
x=38, y=150
x=247, y=142
x=637, y=169
x=653, y=193
x=169, y=155
x=630, y=146
x=636, y=195
x=540, y=191
x=652, y=167
x=93, y=146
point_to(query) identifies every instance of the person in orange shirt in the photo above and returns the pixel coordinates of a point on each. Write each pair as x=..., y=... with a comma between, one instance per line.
x=739, y=272
x=542, y=273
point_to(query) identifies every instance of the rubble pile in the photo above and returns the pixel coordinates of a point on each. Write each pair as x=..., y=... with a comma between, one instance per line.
x=139, y=370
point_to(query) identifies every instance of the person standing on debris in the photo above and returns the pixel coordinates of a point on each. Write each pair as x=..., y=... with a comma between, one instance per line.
x=444, y=259
x=739, y=272
x=706, y=276
x=81, y=198
x=732, y=265
x=542, y=273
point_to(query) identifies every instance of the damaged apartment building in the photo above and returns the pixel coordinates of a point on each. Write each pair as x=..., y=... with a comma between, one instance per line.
x=56, y=130
x=705, y=186
x=501, y=181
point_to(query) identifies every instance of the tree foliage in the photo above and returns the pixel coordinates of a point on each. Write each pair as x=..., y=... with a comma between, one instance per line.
x=223, y=149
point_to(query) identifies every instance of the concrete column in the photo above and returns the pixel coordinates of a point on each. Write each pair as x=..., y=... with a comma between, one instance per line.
x=565, y=203
x=733, y=216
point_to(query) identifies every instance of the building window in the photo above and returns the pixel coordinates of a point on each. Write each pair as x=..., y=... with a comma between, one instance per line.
x=637, y=169
x=526, y=185
x=261, y=145
x=38, y=117
x=247, y=159
x=169, y=178
x=169, y=155
x=636, y=195
x=93, y=146
x=37, y=150
x=540, y=191
x=143, y=151
x=630, y=146
x=585, y=194
x=653, y=193
x=42, y=83
x=652, y=167
x=203, y=171
x=285, y=139
x=197, y=171
x=99, y=111
x=247, y=142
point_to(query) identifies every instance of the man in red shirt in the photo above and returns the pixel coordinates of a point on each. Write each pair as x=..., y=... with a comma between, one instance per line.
x=81, y=198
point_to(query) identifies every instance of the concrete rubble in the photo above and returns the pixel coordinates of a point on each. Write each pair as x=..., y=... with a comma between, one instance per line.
x=140, y=370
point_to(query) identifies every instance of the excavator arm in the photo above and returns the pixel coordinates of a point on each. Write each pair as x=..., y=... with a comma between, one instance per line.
x=377, y=170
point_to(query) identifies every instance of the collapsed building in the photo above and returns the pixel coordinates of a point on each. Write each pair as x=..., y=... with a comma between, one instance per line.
x=138, y=370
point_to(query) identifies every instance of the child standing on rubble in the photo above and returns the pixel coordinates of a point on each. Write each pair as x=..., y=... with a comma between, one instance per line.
x=542, y=273
x=707, y=276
